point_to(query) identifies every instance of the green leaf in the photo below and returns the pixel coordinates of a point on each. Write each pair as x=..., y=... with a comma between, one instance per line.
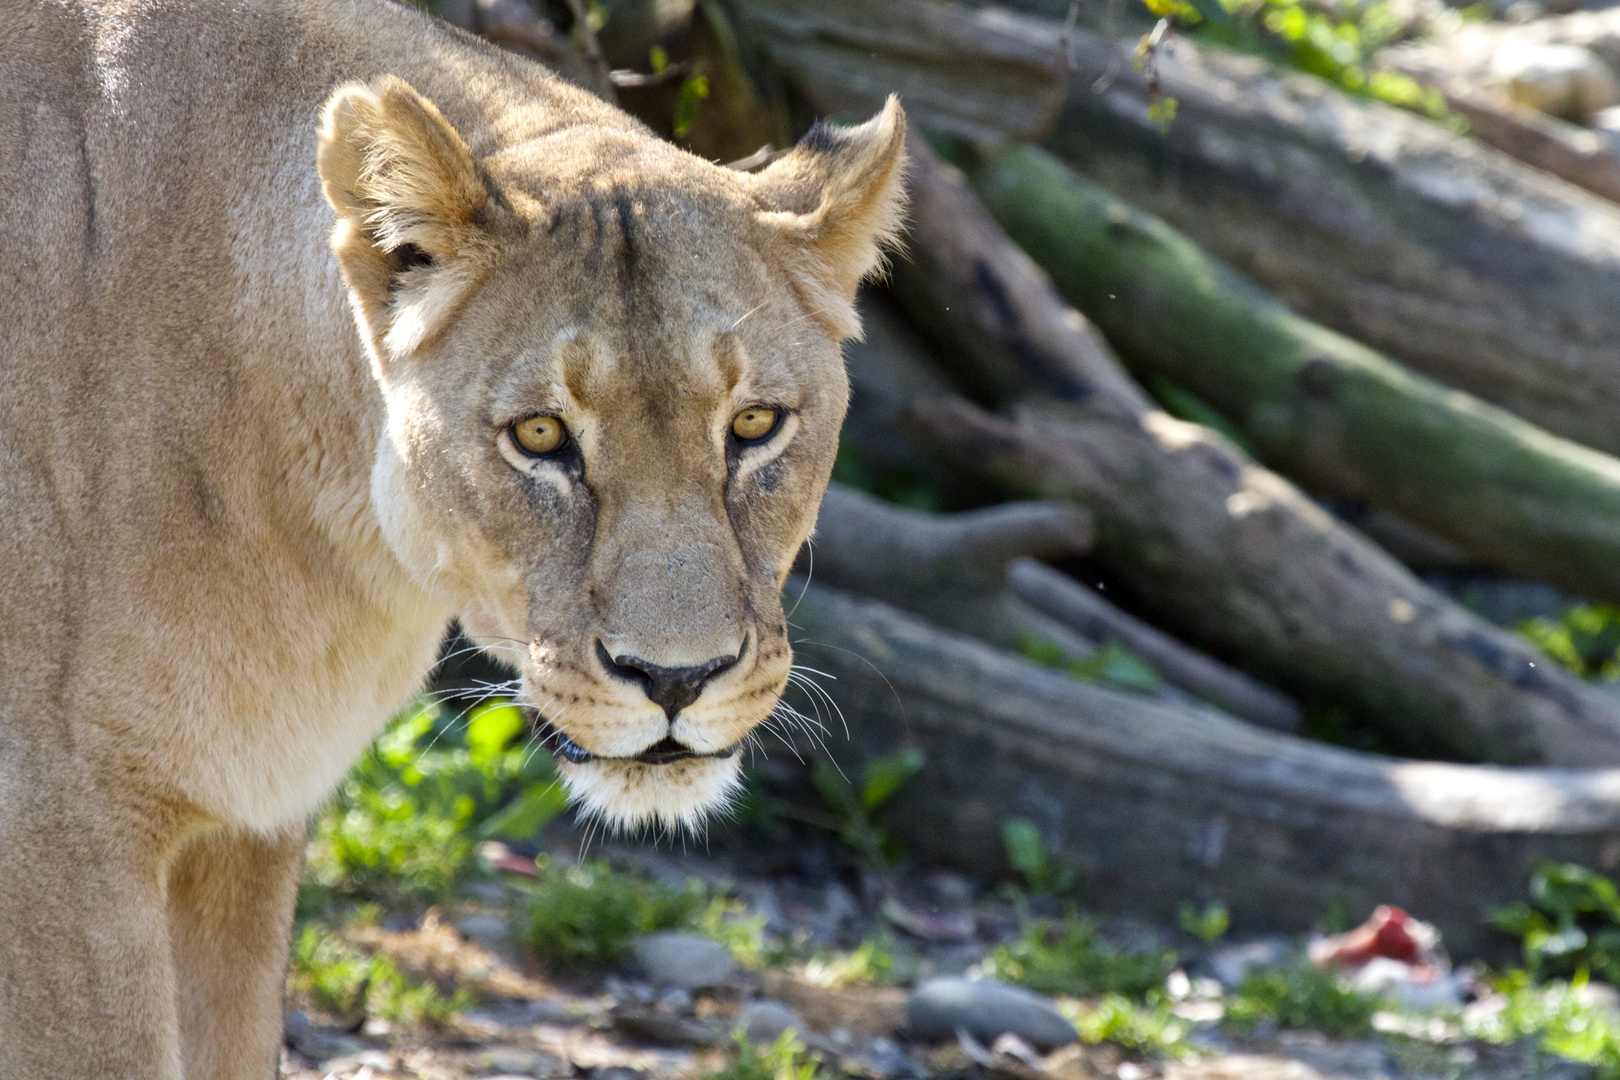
x=528, y=813
x=884, y=775
x=1025, y=849
x=491, y=728
x=1116, y=667
x=1211, y=10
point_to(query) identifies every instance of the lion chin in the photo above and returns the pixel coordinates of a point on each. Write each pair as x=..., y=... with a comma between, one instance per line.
x=632, y=796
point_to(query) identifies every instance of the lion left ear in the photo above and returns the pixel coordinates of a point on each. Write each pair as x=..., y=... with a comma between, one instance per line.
x=836, y=201
x=414, y=213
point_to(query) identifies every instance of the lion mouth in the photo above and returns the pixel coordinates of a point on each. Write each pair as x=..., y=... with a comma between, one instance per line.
x=665, y=752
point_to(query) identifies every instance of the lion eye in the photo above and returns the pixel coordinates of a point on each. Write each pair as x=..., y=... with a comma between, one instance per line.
x=752, y=425
x=540, y=435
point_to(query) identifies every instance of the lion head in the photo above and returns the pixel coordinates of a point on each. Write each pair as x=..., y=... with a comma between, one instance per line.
x=613, y=392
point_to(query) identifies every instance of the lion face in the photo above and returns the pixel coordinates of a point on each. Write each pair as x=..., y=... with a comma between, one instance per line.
x=613, y=391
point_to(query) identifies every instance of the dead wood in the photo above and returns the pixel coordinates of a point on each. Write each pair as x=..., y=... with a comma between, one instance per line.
x=1248, y=563
x=1446, y=254
x=972, y=71
x=1155, y=804
x=1329, y=411
x=1229, y=554
x=514, y=25
x=1084, y=610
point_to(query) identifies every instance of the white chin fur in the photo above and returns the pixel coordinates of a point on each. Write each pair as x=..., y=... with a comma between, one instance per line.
x=630, y=795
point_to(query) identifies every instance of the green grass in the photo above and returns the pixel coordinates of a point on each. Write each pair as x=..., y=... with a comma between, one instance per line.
x=1144, y=1028
x=1071, y=958
x=1584, y=639
x=786, y=1059
x=593, y=912
x=344, y=980
x=404, y=822
x=1301, y=996
x=1559, y=1020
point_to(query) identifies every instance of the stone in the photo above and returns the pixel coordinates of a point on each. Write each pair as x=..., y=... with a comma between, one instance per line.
x=764, y=1021
x=676, y=958
x=1231, y=963
x=1566, y=81
x=484, y=929
x=987, y=1010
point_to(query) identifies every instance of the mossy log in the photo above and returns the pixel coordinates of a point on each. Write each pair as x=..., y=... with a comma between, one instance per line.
x=1155, y=804
x=1219, y=549
x=1461, y=262
x=1327, y=410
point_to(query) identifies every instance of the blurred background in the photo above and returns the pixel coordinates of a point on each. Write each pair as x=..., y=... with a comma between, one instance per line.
x=1209, y=659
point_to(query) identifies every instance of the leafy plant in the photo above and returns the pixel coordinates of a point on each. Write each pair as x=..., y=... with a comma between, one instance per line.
x=1072, y=958
x=1334, y=41
x=1572, y=923
x=871, y=963
x=1149, y=1028
x=1026, y=851
x=900, y=486
x=404, y=821
x=1557, y=1015
x=342, y=979
x=851, y=806
x=592, y=912
x=1112, y=665
x=1301, y=996
x=1208, y=924
x=1585, y=639
x=785, y=1059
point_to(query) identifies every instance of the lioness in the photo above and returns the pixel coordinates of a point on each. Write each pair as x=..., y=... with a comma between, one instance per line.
x=321, y=322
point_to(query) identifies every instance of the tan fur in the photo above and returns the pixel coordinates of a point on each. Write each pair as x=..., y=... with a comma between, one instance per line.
x=253, y=455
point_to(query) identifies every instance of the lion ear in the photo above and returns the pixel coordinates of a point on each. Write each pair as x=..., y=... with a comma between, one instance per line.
x=836, y=200
x=414, y=213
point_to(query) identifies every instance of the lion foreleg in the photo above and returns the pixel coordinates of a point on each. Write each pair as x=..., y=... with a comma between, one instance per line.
x=231, y=897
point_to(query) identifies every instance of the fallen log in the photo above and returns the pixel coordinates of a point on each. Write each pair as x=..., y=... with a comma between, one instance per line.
x=1084, y=610
x=1154, y=804
x=1325, y=409
x=971, y=71
x=1469, y=266
x=1225, y=553
x=973, y=572
x=949, y=568
x=1399, y=654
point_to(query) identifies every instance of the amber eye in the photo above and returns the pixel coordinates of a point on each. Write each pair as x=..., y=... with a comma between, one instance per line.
x=540, y=435
x=751, y=425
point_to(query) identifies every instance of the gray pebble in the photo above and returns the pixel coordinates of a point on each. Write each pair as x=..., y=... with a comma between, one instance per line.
x=987, y=1010
x=764, y=1021
x=484, y=929
x=674, y=958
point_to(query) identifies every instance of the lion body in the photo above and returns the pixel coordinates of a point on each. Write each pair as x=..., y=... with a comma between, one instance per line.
x=217, y=576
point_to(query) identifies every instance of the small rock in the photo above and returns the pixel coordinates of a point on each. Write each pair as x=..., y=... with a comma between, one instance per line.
x=675, y=958
x=484, y=929
x=987, y=1010
x=519, y=1061
x=1231, y=964
x=764, y=1021
x=1567, y=81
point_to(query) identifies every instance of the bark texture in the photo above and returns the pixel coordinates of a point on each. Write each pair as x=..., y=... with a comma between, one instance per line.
x=1247, y=563
x=1156, y=804
x=1449, y=255
x=1228, y=554
x=972, y=71
x=1325, y=409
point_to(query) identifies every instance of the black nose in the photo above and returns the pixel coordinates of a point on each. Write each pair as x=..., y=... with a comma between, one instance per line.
x=670, y=688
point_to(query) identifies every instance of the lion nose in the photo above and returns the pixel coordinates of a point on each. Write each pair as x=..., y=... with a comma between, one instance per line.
x=670, y=688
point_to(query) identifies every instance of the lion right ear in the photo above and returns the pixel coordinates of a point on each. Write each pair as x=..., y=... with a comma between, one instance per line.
x=414, y=213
